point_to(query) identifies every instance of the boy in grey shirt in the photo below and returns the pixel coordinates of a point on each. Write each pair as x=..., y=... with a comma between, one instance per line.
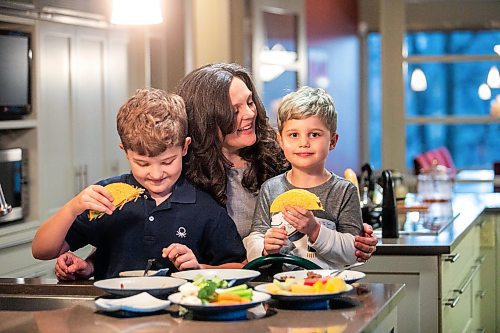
x=307, y=132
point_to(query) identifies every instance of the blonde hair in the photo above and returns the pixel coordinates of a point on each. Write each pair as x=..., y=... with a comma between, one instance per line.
x=307, y=102
x=152, y=121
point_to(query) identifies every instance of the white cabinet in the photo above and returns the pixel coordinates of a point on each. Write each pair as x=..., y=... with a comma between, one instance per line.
x=80, y=77
x=459, y=269
x=82, y=82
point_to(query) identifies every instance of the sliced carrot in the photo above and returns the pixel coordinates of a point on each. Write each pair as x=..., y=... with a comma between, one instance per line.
x=226, y=302
x=229, y=297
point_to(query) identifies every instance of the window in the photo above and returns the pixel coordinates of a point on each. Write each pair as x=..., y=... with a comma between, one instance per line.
x=452, y=96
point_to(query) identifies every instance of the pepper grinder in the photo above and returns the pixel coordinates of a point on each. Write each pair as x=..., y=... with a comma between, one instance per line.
x=390, y=228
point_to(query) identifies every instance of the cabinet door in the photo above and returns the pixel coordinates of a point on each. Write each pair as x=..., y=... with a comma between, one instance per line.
x=484, y=287
x=89, y=104
x=116, y=95
x=54, y=90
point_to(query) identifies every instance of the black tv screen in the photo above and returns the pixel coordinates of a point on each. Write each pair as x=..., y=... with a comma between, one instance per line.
x=15, y=74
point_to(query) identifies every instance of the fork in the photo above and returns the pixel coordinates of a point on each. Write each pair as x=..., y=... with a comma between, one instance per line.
x=148, y=266
x=336, y=273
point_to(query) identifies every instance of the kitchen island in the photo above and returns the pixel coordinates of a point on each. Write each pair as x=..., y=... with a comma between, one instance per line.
x=42, y=305
x=451, y=275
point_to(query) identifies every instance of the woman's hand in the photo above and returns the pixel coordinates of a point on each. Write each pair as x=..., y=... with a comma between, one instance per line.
x=274, y=240
x=181, y=256
x=70, y=267
x=366, y=245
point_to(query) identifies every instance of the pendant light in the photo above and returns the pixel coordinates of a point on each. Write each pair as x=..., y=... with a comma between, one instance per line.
x=418, y=81
x=136, y=12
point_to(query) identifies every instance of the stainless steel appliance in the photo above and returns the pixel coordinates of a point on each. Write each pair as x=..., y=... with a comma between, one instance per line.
x=13, y=169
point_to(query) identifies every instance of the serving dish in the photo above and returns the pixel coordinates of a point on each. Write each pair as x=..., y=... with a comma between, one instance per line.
x=349, y=276
x=303, y=301
x=141, y=303
x=239, y=276
x=221, y=312
x=154, y=285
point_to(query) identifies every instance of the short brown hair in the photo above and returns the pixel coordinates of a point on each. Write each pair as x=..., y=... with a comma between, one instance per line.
x=152, y=121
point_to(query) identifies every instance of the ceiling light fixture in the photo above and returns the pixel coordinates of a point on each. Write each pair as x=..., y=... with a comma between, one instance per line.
x=136, y=12
x=418, y=81
x=493, y=79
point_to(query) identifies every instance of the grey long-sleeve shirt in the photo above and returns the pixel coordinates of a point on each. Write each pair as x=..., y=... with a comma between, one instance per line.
x=340, y=222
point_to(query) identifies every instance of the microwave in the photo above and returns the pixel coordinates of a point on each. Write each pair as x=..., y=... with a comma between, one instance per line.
x=13, y=167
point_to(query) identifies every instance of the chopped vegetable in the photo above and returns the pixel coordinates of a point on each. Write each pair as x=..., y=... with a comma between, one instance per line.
x=211, y=291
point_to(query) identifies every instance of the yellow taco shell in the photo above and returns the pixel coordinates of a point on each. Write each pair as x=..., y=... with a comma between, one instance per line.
x=122, y=193
x=296, y=197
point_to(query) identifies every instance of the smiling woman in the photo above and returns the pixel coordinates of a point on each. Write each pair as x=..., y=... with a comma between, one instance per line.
x=233, y=149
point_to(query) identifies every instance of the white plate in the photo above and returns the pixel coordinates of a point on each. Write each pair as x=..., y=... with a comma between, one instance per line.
x=155, y=285
x=348, y=275
x=301, y=297
x=142, y=302
x=257, y=298
x=240, y=275
x=137, y=273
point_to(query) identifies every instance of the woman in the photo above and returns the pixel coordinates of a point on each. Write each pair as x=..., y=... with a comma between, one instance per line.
x=233, y=148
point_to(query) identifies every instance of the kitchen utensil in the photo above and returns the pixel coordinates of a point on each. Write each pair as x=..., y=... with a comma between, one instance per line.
x=390, y=227
x=336, y=273
x=148, y=266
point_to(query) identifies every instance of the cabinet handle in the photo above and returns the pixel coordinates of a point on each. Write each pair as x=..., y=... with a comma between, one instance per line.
x=480, y=330
x=481, y=294
x=452, y=302
x=85, y=176
x=452, y=257
x=461, y=290
x=480, y=260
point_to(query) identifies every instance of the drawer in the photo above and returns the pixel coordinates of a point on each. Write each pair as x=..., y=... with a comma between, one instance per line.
x=457, y=265
x=456, y=310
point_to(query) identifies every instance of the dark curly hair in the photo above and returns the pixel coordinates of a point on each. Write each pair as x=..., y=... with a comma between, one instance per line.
x=206, y=94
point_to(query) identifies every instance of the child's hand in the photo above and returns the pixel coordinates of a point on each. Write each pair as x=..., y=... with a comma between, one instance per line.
x=94, y=197
x=274, y=240
x=303, y=220
x=181, y=256
x=71, y=267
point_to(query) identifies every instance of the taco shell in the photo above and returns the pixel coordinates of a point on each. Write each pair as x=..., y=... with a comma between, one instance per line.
x=296, y=197
x=122, y=193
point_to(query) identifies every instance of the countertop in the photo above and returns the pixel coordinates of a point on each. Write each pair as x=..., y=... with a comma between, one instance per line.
x=466, y=207
x=359, y=310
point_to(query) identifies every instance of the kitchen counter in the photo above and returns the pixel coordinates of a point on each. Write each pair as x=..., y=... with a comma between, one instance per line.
x=464, y=207
x=369, y=307
x=451, y=277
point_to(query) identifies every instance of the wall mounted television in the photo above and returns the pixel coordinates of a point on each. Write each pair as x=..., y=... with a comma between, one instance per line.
x=15, y=74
